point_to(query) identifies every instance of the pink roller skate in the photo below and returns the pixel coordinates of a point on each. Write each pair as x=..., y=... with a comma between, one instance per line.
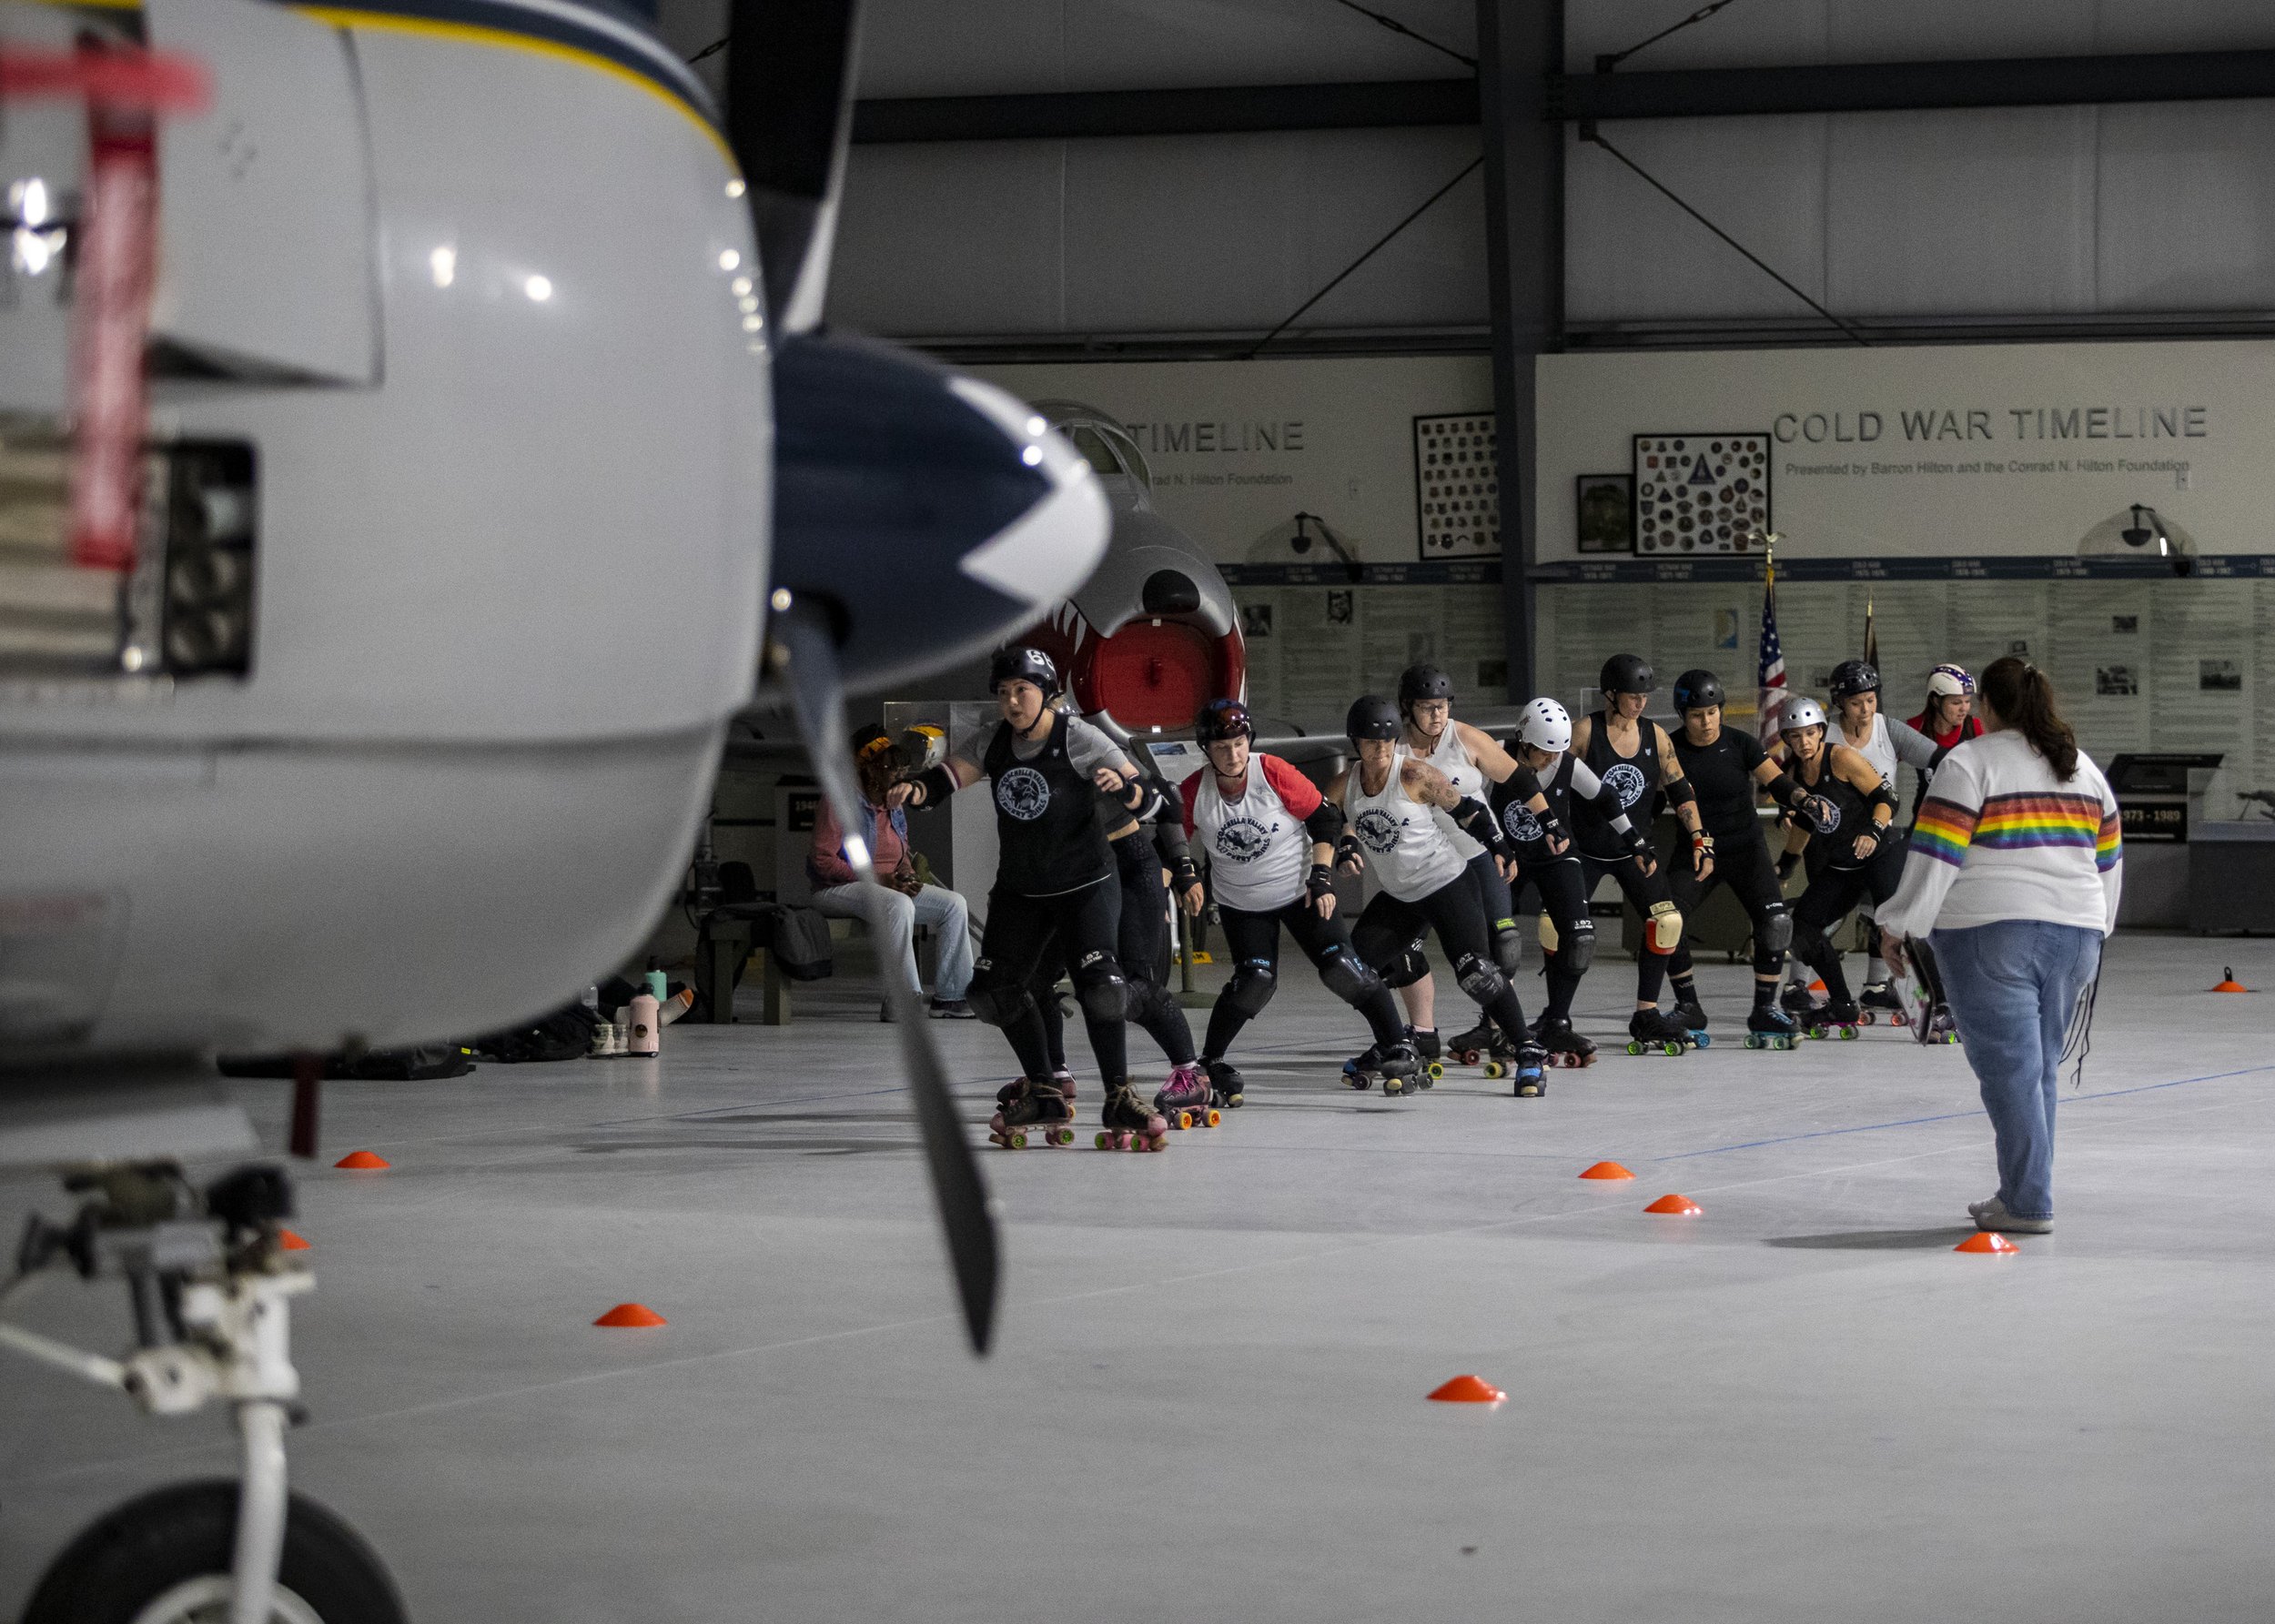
x=1186, y=1099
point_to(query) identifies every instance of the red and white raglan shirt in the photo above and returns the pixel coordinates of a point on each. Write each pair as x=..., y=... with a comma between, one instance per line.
x=1258, y=850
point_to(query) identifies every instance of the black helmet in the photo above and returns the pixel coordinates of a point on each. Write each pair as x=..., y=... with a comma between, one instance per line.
x=1024, y=664
x=1853, y=677
x=1372, y=717
x=1222, y=719
x=1696, y=690
x=1626, y=673
x=1419, y=682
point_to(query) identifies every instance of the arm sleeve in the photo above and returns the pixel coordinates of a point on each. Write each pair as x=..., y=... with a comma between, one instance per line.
x=1296, y=793
x=2108, y=856
x=1089, y=749
x=1940, y=837
x=824, y=864
x=1913, y=748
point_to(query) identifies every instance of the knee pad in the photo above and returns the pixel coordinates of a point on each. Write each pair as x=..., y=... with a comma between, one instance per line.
x=1508, y=946
x=1251, y=987
x=1481, y=979
x=1775, y=934
x=1663, y=931
x=1349, y=978
x=1405, y=970
x=994, y=1001
x=1579, y=949
x=1099, y=987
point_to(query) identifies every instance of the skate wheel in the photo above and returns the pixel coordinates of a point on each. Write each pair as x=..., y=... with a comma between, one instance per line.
x=1434, y=1071
x=1847, y=1032
x=1105, y=1141
x=1530, y=1088
x=1184, y=1119
x=1496, y=1070
x=1899, y=1019
x=1635, y=1045
x=1213, y=1118
x=1234, y=1101
x=1704, y=1040
x=1672, y=1047
x=1391, y=1086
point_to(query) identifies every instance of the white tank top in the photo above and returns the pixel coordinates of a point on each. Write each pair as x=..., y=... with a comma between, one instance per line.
x=1453, y=759
x=1259, y=851
x=1405, y=845
x=1879, y=750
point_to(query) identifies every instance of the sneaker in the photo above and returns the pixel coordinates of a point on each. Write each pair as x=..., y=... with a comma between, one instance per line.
x=1976, y=1209
x=1993, y=1216
x=951, y=1009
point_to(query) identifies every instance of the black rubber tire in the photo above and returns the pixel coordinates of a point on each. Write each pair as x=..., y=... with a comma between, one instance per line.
x=134, y=1554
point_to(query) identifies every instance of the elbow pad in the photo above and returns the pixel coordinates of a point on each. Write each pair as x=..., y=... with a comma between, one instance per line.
x=1474, y=819
x=1325, y=826
x=1783, y=790
x=938, y=783
x=1884, y=796
x=1680, y=794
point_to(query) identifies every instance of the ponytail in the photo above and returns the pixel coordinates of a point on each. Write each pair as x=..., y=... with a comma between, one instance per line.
x=2024, y=700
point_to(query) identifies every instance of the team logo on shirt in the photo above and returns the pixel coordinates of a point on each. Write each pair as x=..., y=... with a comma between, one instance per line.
x=1242, y=839
x=1378, y=831
x=1626, y=781
x=1024, y=793
x=1518, y=820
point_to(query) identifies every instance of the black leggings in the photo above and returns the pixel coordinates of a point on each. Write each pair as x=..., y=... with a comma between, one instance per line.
x=1495, y=895
x=1742, y=863
x=1562, y=889
x=1252, y=942
x=1081, y=927
x=1389, y=936
x=1832, y=894
x=1645, y=892
x=1143, y=948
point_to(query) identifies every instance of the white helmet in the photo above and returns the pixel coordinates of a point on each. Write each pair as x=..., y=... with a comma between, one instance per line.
x=1949, y=681
x=1800, y=712
x=1545, y=725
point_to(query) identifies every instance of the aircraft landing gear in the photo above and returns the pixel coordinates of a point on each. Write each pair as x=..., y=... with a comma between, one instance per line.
x=211, y=1287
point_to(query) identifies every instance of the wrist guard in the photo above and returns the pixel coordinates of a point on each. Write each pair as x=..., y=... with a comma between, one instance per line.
x=1476, y=820
x=1702, y=848
x=1347, y=852
x=1639, y=842
x=1188, y=876
x=938, y=783
x=1552, y=828
x=1786, y=862
x=1321, y=884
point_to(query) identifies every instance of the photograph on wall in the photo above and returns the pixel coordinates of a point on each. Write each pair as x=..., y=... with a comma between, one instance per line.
x=1456, y=485
x=1700, y=493
x=1607, y=512
x=2115, y=682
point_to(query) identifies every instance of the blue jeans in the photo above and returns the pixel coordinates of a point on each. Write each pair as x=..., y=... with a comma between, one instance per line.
x=935, y=906
x=2013, y=987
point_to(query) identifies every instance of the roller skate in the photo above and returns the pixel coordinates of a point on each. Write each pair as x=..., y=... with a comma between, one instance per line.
x=1470, y=1047
x=1941, y=1027
x=1838, y=1018
x=1691, y=1016
x=1530, y=1064
x=1651, y=1033
x=1563, y=1046
x=1226, y=1085
x=1130, y=1123
x=1797, y=1001
x=1769, y=1027
x=1184, y=1100
x=1428, y=1053
x=1033, y=1106
x=1878, y=1001
x=1397, y=1068
x=1062, y=1080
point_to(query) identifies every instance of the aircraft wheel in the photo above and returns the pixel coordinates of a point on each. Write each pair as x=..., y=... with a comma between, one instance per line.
x=164, y=1558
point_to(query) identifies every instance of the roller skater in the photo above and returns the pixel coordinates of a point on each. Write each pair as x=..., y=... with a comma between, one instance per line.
x=1634, y=756
x=1390, y=800
x=1725, y=766
x=1054, y=880
x=1547, y=867
x=1842, y=823
x=1471, y=758
x=1857, y=723
x=1269, y=836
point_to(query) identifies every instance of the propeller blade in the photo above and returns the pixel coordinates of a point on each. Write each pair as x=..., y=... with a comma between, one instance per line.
x=817, y=696
x=789, y=113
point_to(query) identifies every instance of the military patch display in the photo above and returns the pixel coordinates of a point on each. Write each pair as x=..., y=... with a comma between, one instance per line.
x=1456, y=485
x=1700, y=492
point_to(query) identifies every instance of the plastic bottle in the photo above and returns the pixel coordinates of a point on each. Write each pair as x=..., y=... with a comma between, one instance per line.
x=646, y=1036
x=657, y=988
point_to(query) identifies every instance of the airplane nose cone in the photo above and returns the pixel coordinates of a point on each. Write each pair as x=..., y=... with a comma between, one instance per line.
x=1170, y=593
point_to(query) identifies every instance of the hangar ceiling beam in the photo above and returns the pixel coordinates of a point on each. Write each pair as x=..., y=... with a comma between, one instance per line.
x=1915, y=87
x=1216, y=110
x=1520, y=43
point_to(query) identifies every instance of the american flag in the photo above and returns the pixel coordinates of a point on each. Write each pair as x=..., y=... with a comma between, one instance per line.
x=1772, y=700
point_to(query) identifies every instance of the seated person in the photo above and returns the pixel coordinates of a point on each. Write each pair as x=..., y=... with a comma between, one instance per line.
x=908, y=902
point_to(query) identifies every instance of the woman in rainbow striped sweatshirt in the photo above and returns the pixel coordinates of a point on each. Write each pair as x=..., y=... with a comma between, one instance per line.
x=2013, y=879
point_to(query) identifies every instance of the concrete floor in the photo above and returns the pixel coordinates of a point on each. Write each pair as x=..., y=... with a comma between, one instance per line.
x=1206, y=1401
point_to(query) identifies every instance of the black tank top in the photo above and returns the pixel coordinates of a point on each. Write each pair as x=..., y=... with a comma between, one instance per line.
x=1850, y=815
x=1047, y=834
x=1518, y=822
x=1633, y=779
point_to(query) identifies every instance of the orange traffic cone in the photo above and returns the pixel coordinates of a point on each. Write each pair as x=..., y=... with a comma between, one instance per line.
x=291, y=1242
x=2228, y=982
x=363, y=1161
x=1989, y=1241
x=1675, y=1207
x=631, y=1314
x=1607, y=1170
x=1469, y=1389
